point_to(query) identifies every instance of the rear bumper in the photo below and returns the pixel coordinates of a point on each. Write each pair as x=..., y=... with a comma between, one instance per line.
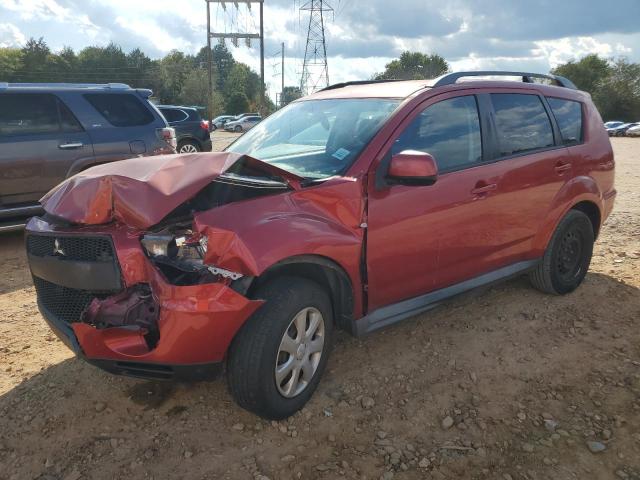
x=206, y=145
x=195, y=324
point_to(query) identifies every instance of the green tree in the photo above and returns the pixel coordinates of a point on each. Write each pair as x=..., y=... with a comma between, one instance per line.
x=414, y=66
x=10, y=63
x=618, y=95
x=35, y=61
x=194, y=89
x=237, y=103
x=587, y=73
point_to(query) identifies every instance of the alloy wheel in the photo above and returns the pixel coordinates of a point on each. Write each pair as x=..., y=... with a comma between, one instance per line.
x=300, y=352
x=188, y=148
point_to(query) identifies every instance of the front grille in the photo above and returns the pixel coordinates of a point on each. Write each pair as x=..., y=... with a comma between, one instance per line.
x=86, y=249
x=66, y=304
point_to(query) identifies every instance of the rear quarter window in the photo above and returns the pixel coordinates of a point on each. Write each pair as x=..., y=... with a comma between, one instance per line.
x=174, y=114
x=120, y=109
x=568, y=115
x=522, y=122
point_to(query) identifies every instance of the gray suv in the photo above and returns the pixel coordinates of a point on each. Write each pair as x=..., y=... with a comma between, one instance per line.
x=49, y=132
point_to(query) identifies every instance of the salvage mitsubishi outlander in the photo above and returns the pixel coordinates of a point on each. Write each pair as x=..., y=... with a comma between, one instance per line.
x=354, y=208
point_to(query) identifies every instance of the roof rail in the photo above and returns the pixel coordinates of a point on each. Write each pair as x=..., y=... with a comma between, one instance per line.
x=113, y=86
x=451, y=78
x=355, y=82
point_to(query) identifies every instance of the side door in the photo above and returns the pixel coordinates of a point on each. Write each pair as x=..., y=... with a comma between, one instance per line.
x=40, y=141
x=411, y=227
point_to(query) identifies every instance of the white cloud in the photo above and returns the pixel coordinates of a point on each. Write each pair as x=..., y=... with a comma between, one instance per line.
x=10, y=36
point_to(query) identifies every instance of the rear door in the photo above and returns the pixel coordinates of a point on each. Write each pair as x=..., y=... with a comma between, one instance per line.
x=40, y=141
x=126, y=127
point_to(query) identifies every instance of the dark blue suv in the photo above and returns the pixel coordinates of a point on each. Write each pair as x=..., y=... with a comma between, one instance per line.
x=192, y=132
x=49, y=132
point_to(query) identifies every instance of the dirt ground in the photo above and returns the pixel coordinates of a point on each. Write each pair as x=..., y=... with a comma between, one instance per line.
x=506, y=384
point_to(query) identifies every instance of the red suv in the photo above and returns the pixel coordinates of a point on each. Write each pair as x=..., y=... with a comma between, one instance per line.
x=354, y=208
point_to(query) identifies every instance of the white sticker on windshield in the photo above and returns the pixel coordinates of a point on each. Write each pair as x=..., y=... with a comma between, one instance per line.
x=341, y=153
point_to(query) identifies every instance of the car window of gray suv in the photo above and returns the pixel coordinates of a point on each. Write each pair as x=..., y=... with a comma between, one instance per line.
x=28, y=113
x=120, y=109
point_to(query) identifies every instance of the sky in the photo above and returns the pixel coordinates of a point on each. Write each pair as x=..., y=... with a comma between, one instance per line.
x=361, y=35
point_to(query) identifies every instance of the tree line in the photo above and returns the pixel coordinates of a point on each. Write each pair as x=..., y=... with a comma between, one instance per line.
x=181, y=79
x=177, y=78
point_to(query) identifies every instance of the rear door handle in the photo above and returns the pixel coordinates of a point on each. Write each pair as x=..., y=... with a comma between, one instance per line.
x=562, y=167
x=66, y=146
x=483, y=189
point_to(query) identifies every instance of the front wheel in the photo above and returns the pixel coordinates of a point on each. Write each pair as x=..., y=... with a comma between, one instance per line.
x=568, y=255
x=276, y=360
x=238, y=128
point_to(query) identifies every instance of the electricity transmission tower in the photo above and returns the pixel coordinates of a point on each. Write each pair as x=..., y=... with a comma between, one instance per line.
x=315, y=73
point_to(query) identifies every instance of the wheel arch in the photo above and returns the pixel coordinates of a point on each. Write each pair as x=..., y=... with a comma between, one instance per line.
x=322, y=270
x=581, y=194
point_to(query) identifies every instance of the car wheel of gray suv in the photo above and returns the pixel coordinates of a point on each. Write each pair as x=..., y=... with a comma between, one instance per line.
x=188, y=146
x=276, y=360
x=568, y=255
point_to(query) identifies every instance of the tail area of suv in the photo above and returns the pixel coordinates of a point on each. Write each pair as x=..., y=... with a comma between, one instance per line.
x=192, y=132
x=354, y=208
x=49, y=132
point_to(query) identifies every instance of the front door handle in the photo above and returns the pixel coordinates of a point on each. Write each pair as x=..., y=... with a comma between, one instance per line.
x=66, y=146
x=562, y=167
x=483, y=189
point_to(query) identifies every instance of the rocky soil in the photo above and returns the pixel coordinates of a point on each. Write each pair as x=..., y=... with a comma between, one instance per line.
x=505, y=384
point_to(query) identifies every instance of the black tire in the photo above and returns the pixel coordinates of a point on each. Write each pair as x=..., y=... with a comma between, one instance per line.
x=237, y=128
x=568, y=255
x=254, y=351
x=190, y=145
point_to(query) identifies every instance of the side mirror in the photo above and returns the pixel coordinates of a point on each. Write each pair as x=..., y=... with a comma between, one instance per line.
x=412, y=167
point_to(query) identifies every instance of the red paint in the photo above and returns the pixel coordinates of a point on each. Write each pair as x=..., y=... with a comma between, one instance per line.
x=419, y=238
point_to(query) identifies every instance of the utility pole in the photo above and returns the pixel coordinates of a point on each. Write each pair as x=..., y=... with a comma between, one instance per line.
x=282, y=87
x=315, y=72
x=235, y=36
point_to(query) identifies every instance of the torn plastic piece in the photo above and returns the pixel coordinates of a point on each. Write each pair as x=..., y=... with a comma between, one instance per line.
x=225, y=273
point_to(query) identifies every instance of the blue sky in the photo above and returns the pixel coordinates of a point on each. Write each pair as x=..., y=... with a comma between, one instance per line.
x=361, y=35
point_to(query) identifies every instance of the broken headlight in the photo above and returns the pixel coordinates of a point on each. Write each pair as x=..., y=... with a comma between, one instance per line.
x=180, y=258
x=180, y=248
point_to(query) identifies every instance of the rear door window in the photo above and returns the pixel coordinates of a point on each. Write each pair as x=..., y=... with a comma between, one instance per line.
x=522, y=122
x=449, y=130
x=120, y=109
x=569, y=117
x=28, y=114
x=173, y=114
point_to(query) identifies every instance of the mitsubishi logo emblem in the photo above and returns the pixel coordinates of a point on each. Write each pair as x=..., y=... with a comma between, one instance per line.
x=57, y=249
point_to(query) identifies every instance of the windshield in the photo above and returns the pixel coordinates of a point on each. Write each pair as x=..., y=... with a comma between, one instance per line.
x=316, y=139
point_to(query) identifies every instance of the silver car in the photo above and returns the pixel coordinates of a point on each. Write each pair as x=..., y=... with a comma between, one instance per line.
x=243, y=124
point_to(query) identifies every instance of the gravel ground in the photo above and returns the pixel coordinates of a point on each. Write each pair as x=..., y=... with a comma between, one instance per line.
x=504, y=384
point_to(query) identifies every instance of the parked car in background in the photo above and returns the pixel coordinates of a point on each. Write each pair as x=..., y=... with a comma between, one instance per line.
x=354, y=208
x=613, y=124
x=243, y=124
x=192, y=132
x=242, y=115
x=634, y=131
x=620, y=130
x=50, y=131
x=219, y=122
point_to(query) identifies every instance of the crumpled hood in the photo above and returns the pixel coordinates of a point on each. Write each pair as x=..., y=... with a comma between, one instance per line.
x=140, y=192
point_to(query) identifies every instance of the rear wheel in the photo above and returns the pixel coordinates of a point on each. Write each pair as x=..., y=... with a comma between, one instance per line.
x=188, y=146
x=568, y=256
x=237, y=128
x=276, y=360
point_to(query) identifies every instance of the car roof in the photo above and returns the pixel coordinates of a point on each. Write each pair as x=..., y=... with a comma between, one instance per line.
x=73, y=87
x=406, y=88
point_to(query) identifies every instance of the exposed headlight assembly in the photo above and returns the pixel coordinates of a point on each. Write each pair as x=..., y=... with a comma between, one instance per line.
x=184, y=253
